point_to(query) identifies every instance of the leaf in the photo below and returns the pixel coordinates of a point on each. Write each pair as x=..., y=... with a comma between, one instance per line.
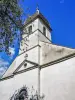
x=10, y=22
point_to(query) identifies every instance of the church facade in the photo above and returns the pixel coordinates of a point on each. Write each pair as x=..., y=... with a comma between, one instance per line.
x=45, y=70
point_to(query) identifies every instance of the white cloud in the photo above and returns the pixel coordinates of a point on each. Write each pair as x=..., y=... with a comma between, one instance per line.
x=2, y=70
x=12, y=52
x=3, y=66
x=62, y=1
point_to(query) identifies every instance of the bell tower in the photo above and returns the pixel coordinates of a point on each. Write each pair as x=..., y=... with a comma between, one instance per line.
x=34, y=26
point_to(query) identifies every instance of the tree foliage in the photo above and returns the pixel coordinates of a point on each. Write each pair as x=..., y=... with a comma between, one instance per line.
x=10, y=23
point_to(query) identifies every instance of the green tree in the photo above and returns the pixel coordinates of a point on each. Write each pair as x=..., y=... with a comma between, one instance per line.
x=10, y=23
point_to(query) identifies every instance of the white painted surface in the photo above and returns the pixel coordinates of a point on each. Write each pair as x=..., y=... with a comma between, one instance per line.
x=32, y=39
x=51, y=52
x=32, y=56
x=37, y=30
x=40, y=27
x=9, y=86
x=58, y=81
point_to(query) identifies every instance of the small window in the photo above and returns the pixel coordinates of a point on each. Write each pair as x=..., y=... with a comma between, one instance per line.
x=44, y=31
x=25, y=65
x=30, y=29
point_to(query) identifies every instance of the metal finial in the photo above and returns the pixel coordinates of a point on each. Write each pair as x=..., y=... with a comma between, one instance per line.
x=37, y=8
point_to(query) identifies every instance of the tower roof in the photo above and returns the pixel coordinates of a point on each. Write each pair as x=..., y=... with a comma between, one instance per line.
x=35, y=16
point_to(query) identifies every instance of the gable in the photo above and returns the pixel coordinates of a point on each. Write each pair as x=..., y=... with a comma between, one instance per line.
x=32, y=59
x=25, y=65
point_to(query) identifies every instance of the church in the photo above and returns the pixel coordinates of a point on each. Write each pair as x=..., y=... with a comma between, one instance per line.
x=42, y=70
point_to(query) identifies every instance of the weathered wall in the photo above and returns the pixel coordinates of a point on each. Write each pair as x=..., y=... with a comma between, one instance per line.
x=32, y=40
x=58, y=81
x=50, y=52
x=40, y=27
x=32, y=56
x=9, y=86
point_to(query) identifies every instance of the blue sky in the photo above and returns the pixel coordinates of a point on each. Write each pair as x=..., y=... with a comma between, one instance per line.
x=61, y=16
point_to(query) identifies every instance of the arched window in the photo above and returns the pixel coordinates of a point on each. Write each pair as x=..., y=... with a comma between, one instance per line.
x=44, y=31
x=30, y=29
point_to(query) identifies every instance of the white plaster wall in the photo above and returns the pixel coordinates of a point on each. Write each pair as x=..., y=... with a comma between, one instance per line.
x=58, y=81
x=32, y=39
x=32, y=56
x=34, y=25
x=40, y=27
x=42, y=37
x=50, y=52
x=9, y=86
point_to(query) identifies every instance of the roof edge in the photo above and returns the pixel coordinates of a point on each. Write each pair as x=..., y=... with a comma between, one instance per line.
x=43, y=66
x=34, y=17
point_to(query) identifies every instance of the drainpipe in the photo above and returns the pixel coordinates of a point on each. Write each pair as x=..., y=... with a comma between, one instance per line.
x=38, y=69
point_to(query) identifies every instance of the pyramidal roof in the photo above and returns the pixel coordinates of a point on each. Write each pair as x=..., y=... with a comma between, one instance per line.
x=36, y=15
